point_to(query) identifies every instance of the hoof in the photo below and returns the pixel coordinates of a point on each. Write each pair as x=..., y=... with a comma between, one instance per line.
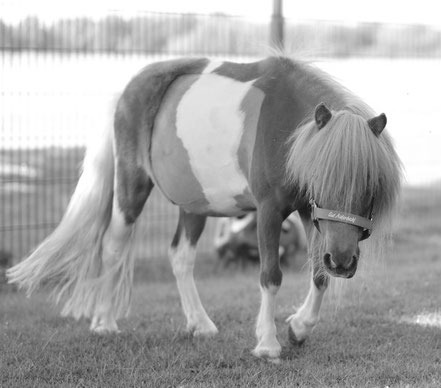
x=100, y=327
x=270, y=353
x=207, y=330
x=201, y=333
x=299, y=329
x=102, y=330
x=293, y=340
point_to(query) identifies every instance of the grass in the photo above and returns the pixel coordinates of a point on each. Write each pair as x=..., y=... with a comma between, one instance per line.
x=368, y=336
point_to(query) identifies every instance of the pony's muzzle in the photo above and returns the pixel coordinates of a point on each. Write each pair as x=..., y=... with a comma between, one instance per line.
x=342, y=265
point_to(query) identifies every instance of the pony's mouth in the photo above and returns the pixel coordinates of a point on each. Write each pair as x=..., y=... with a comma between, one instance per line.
x=340, y=271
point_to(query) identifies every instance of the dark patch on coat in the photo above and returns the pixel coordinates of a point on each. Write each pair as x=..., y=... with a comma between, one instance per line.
x=193, y=226
x=320, y=278
x=251, y=107
x=244, y=201
x=272, y=276
x=138, y=105
x=170, y=159
x=269, y=226
x=133, y=125
x=243, y=72
x=134, y=186
x=292, y=338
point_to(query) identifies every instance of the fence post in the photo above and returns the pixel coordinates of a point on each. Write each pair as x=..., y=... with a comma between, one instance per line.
x=277, y=25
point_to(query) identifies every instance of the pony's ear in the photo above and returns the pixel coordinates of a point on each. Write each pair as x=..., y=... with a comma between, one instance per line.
x=322, y=115
x=377, y=124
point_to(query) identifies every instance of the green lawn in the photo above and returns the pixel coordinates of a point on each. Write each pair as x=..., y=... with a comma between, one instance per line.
x=368, y=336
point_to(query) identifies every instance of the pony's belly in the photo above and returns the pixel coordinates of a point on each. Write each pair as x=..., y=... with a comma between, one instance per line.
x=202, y=144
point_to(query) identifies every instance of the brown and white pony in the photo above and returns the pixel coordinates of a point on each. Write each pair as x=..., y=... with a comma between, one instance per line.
x=222, y=139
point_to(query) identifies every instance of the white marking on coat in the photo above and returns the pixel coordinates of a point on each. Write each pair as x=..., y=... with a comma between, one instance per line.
x=266, y=330
x=182, y=259
x=209, y=122
x=308, y=315
x=211, y=66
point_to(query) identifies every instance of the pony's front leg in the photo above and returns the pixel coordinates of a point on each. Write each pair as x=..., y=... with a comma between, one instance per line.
x=269, y=223
x=307, y=316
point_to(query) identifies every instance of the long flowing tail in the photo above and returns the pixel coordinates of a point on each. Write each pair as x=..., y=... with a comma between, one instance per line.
x=69, y=260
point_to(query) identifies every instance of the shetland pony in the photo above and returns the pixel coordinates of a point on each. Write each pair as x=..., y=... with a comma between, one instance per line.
x=222, y=139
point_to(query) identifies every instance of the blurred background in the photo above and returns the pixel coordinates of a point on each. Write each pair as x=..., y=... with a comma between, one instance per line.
x=63, y=63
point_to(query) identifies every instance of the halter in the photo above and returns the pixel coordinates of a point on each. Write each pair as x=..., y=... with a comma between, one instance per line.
x=337, y=216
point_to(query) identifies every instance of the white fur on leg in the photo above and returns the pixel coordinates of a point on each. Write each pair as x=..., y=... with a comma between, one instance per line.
x=116, y=242
x=102, y=323
x=308, y=315
x=182, y=259
x=267, y=345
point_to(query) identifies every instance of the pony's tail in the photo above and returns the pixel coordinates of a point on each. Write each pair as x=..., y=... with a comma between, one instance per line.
x=69, y=259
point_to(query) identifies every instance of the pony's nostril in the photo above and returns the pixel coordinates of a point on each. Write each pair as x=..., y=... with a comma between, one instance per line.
x=328, y=260
x=352, y=262
x=354, y=259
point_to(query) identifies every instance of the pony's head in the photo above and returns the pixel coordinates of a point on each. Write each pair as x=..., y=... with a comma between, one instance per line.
x=348, y=167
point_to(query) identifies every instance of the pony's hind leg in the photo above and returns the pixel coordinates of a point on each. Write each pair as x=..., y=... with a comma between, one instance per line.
x=182, y=256
x=117, y=260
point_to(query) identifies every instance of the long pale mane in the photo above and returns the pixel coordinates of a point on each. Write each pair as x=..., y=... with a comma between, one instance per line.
x=345, y=164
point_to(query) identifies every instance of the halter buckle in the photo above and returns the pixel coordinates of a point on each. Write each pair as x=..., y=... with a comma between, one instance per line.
x=314, y=213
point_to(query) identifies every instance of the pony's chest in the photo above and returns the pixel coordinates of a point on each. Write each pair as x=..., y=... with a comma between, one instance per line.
x=203, y=141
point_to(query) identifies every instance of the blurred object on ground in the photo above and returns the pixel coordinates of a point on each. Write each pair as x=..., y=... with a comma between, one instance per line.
x=235, y=240
x=6, y=260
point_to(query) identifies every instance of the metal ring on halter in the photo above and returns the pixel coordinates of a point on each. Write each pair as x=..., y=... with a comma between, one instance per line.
x=318, y=213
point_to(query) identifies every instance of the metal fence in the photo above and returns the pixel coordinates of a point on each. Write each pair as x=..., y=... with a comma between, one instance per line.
x=58, y=80
x=57, y=84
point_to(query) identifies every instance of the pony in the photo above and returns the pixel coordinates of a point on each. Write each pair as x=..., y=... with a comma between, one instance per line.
x=223, y=139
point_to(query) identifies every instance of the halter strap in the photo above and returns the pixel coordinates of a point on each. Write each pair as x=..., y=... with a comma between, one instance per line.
x=337, y=216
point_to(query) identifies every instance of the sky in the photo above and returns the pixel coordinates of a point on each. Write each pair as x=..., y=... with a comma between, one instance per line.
x=395, y=11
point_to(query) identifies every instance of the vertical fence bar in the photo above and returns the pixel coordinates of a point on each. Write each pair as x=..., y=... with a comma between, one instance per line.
x=277, y=26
